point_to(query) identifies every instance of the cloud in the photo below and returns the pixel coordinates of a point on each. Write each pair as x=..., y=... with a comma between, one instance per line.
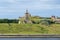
x=17, y=6
x=7, y=0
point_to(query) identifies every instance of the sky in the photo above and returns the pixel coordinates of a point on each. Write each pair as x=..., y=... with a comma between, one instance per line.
x=16, y=8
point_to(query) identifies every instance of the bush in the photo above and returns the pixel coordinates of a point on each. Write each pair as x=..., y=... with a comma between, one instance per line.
x=45, y=22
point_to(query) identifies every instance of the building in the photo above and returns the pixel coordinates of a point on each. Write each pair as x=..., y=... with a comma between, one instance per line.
x=25, y=18
x=54, y=19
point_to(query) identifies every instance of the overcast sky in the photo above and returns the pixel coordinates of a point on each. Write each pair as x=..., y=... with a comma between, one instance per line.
x=16, y=8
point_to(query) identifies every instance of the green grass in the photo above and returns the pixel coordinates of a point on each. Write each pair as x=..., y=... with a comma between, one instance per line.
x=14, y=28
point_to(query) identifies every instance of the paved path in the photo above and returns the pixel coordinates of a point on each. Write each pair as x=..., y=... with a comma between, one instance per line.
x=27, y=36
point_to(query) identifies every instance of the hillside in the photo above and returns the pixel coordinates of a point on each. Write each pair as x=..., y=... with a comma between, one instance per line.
x=13, y=28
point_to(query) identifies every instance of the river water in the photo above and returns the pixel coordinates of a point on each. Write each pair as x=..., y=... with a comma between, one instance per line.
x=29, y=38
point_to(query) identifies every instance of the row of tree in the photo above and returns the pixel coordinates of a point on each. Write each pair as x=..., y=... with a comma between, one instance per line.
x=8, y=21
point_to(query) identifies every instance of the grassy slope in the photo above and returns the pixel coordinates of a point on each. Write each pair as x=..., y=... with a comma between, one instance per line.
x=29, y=29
